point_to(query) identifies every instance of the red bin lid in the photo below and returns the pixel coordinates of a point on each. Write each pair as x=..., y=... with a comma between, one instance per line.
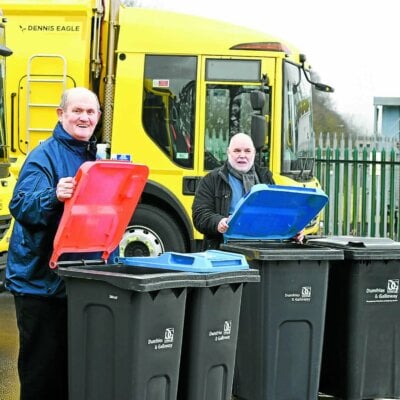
x=95, y=218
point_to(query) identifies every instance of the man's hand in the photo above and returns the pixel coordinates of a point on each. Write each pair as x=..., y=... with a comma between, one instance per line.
x=65, y=188
x=299, y=237
x=223, y=225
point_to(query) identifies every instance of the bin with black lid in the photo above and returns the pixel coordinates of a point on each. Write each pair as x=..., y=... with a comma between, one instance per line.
x=361, y=353
x=127, y=319
x=282, y=318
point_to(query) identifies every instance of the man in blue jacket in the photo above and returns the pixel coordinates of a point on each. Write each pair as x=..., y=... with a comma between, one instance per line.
x=45, y=182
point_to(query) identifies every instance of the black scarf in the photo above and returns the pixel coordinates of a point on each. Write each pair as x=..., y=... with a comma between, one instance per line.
x=248, y=178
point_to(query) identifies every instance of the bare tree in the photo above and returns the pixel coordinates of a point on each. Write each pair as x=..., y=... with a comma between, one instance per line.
x=326, y=117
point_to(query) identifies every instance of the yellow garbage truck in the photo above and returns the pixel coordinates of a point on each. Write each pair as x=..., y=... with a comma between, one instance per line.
x=7, y=180
x=173, y=89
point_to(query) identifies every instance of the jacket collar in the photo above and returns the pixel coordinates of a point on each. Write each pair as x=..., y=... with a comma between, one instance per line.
x=77, y=146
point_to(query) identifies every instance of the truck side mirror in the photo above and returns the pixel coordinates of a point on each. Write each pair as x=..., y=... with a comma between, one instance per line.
x=258, y=122
x=5, y=51
x=257, y=100
x=258, y=131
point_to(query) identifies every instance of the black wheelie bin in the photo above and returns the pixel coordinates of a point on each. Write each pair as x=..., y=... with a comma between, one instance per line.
x=282, y=318
x=125, y=326
x=361, y=353
x=127, y=322
x=211, y=318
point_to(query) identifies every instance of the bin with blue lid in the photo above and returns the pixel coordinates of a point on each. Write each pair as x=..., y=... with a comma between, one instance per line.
x=282, y=318
x=211, y=318
x=139, y=326
x=125, y=331
x=361, y=356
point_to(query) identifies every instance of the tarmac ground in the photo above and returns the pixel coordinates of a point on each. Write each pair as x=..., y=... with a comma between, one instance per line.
x=9, y=384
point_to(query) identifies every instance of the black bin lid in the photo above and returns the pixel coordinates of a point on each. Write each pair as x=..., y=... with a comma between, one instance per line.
x=359, y=247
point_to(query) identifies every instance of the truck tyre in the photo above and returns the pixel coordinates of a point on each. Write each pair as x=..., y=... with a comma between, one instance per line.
x=151, y=232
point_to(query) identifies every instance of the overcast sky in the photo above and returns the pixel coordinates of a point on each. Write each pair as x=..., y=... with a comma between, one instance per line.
x=352, y=45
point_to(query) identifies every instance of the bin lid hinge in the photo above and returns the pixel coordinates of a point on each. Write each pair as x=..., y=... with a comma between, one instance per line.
x=80, y=263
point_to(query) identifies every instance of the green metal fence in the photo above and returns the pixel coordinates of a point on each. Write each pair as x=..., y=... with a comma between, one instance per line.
x=362, y=181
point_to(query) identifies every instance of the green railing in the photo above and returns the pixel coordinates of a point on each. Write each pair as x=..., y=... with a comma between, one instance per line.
x=362, y=181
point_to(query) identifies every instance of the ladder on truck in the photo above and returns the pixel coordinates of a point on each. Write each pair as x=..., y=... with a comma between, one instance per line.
x=46, y=81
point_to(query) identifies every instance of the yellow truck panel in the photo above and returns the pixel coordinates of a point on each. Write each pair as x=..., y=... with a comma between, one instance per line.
x=173, y=89
x=7, y=179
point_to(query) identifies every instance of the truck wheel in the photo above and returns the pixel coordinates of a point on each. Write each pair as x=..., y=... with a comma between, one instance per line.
x=151, y=232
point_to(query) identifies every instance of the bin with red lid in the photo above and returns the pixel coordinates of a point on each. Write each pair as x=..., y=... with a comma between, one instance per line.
x=140, y=326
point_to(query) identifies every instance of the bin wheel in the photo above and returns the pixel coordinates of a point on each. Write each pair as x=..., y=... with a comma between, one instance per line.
x=150, y=233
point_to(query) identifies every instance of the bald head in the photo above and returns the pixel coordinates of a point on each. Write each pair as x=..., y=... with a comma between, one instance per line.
x=242, y=139
x=78, y=93
x=241, y=152
x=79, y=112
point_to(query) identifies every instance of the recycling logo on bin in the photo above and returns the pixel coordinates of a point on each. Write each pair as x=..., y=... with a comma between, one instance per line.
x=219, y=335
x=383, y=295
x=303, y=295
x=393, y=286
x=166, y=342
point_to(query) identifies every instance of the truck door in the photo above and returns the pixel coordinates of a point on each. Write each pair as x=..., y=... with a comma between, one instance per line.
x=228, y=109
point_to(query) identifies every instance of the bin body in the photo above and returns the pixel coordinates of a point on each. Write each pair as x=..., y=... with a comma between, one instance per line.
x=281, y=327
x=361, y=353
x=127, y=325
x=124, y=342
x=211, y=319
x=210, y=338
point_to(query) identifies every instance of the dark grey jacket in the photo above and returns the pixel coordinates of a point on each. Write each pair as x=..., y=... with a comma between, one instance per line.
x=212, y=200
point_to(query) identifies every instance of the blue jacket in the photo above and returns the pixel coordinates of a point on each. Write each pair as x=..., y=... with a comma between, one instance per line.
x=37, y=213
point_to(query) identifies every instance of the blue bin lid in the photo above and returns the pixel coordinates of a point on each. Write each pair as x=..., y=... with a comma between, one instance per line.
x=207, y=261
x=275, y=212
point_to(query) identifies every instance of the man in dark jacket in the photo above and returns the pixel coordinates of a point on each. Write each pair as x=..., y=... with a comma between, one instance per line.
x=221, y=189
x=45, y=182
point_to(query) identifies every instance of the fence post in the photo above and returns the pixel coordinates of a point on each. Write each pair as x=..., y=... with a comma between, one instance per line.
x=354, y=216
x=364, y=188
x=382, y=223
x=327, y=186
x=391, y=216
x=373, y=198
x=346, y=191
